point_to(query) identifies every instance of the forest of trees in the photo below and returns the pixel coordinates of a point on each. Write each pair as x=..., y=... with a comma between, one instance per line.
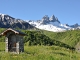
x=39, y=38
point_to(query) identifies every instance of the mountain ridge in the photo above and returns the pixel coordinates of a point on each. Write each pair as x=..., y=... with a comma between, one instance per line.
x=46, y=23
x=7, y=21
x=53, y=24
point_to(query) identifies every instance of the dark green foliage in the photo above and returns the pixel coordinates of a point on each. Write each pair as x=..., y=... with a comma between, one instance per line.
x=66, y=39
x=36, y=38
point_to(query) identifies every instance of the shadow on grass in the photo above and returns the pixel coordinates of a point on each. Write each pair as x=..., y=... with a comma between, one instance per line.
x=60, y=53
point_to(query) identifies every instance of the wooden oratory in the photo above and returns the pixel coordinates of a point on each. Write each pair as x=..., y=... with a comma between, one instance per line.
x=14, y=41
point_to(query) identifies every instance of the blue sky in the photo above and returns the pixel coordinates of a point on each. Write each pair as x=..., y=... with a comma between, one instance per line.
x=67, y=11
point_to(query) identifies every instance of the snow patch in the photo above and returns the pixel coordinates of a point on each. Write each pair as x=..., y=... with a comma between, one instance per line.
x=51, y=26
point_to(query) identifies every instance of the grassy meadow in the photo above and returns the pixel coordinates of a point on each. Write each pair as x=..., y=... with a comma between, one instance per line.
x=71, y=37
x=40, y=53
x=44, y=45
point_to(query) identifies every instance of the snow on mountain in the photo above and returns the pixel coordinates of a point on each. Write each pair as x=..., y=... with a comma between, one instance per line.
x=7, y=21
x=46, y=23
x=50, y=24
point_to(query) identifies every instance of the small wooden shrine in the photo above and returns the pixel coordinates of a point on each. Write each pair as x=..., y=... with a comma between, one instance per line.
x=13, y=40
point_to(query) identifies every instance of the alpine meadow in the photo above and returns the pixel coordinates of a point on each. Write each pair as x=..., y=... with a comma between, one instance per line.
x=45, y=45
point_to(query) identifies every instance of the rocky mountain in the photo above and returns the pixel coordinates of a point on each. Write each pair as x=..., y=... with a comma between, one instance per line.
x=7, y=21
x=46, y=19
x=46, y=23
x=54, y=19
x=75, y=25
x=52, y=24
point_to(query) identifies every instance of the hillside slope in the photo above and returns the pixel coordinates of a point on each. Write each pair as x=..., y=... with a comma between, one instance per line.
x=69, y=37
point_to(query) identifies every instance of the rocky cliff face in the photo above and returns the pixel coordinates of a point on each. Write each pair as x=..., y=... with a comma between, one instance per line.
x=7, y=21
x=54, y=19
x=46, y=19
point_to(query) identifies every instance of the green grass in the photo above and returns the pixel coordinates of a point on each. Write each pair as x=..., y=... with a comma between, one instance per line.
x=40, y=53
x=69, y=37
x=46, y=52
x=2, y=46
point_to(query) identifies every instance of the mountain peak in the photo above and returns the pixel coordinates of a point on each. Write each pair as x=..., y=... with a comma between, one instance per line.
x=7, y=21
x=54, y=19
x=46, y=19
x=75, y=25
